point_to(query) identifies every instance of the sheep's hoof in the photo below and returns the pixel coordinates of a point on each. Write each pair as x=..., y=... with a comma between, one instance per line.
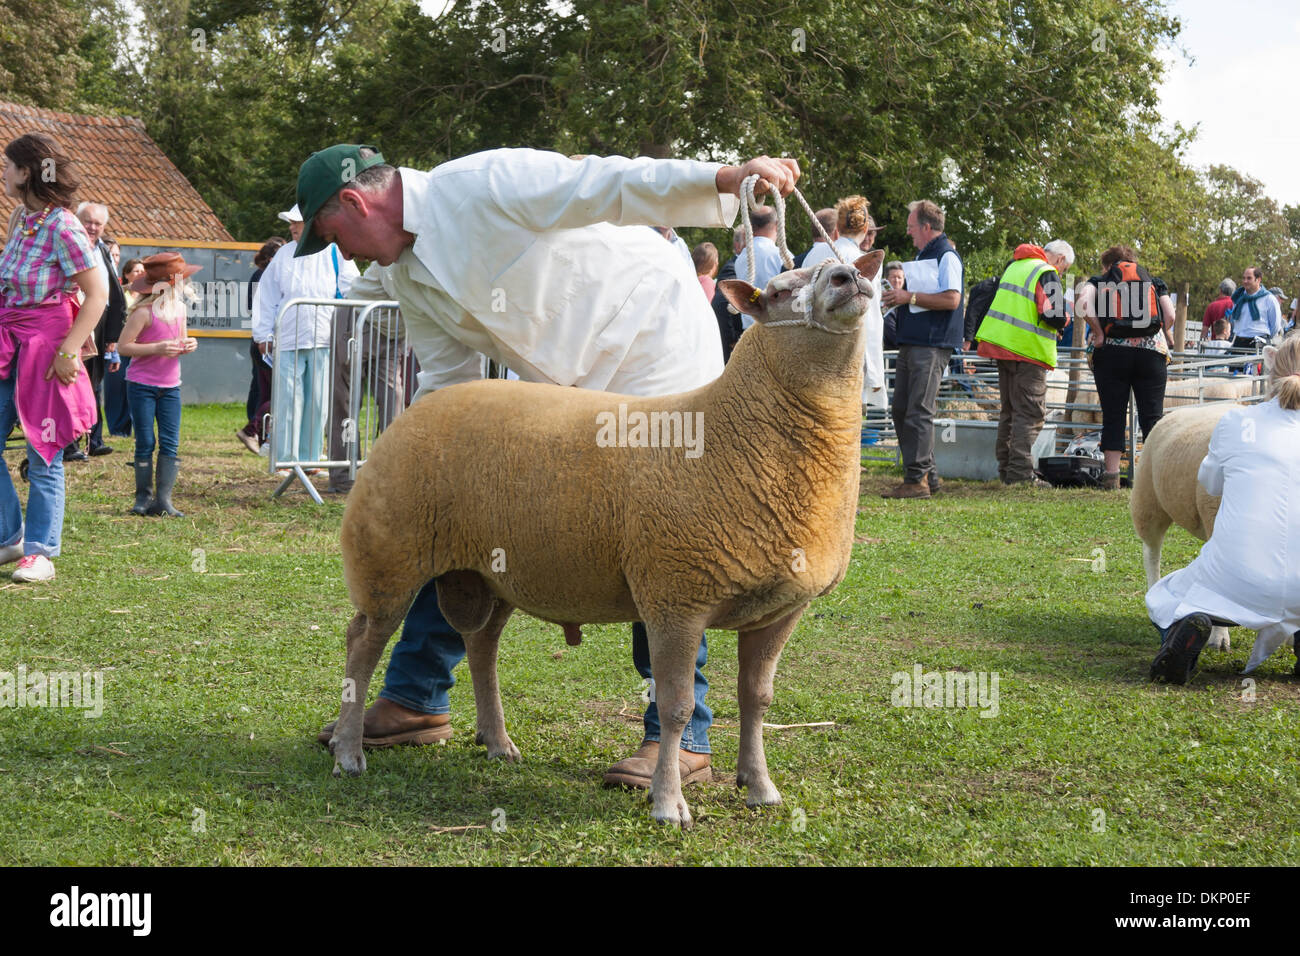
x=762, y=795
x=499, y=751
x=347, y=763
x=673, y=811
x=509, y=753
x=1220, y=639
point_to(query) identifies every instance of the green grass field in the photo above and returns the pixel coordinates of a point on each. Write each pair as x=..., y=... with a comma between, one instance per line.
x=220, y=637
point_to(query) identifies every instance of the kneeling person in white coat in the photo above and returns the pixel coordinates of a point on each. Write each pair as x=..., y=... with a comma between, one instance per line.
x=540, y=263
x=1242, y=574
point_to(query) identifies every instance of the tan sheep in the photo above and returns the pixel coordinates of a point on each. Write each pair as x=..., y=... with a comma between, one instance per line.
x=1178, y=393
x=1165, y=489
x=1188, y=391
x=505, y=493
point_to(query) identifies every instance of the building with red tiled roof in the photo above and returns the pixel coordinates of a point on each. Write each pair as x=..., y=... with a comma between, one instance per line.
x=153, y=208
x=122, y=167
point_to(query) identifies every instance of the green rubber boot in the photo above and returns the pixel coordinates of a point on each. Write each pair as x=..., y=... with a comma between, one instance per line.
x=143, y=485
x=162, y=502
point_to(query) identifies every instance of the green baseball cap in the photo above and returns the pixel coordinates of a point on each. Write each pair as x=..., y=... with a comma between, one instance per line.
x=320, y=177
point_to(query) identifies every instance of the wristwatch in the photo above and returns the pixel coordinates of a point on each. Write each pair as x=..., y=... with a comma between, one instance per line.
x=913, y=302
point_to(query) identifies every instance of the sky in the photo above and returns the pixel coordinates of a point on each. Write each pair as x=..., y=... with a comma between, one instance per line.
x=1241, y=89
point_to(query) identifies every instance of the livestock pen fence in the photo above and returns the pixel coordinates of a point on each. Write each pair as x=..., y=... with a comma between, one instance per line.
x=330, y=403
x=970, y=395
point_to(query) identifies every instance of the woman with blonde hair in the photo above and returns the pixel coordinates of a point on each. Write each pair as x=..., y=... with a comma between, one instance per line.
x=47, y=256
x=1246, y=573
x=857, y=233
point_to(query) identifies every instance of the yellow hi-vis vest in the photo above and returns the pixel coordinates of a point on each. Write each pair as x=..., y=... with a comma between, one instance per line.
x=1012, y=319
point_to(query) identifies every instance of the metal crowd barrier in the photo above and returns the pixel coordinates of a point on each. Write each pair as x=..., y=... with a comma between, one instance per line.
x=348, y=391
x=329, y=403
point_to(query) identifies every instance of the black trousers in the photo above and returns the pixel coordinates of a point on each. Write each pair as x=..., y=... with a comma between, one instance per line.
x=95, y=368
x=1119, y=369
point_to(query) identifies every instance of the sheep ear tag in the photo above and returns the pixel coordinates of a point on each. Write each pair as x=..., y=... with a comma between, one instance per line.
x=869, y=265
x=744, y=296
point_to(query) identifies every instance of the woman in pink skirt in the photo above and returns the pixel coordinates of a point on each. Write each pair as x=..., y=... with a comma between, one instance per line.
x=47, y=257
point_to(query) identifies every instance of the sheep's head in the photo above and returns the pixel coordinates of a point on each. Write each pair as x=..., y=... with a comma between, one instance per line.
x=831, y=296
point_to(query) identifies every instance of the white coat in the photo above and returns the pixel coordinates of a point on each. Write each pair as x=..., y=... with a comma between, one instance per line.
x=873, y=360
x=311, y=277
x=540, y=262
x=1249, y=570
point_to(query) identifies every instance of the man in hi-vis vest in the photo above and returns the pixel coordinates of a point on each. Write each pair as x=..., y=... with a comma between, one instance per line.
x=1020, y=331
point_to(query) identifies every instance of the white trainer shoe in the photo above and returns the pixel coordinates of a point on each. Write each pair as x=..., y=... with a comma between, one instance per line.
x=11, y=553
x=34, y=567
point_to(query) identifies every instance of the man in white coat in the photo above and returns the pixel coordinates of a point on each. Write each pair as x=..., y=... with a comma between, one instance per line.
x=541, y=263
x=302, y=362
x=1246, y=573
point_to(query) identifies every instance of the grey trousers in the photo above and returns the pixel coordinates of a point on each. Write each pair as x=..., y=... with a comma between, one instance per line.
x=916, y=391
x=1022, y=386
x=381, y=374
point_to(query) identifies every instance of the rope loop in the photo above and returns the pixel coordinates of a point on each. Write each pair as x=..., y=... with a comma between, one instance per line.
x=749, y=201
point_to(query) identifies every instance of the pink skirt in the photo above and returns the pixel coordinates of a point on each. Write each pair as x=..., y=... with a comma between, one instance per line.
x=52, y=414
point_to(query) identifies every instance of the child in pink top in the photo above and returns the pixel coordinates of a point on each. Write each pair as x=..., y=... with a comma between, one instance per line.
x=155, y=337
x=705, y=257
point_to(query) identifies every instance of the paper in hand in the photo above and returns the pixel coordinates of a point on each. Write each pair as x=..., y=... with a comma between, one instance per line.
x=922, y=277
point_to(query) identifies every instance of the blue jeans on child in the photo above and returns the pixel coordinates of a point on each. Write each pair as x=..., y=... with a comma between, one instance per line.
x=149, y=402
x=419, y=671
x=45, y=497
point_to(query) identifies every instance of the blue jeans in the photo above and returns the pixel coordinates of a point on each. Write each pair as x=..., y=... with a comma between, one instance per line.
x=419, y=671
x=44, y=529
x=147, y=403
x=302, y=380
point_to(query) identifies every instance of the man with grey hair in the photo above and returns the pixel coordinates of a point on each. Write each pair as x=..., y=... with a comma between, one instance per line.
x=94, y=219
x=1217, y=309
x=1019, y=332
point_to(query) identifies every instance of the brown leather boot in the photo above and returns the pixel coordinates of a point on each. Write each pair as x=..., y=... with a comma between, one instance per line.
x=932, y=479
x=636, y=770
x=387, y=724
x=908, y=489
x=1110, y=481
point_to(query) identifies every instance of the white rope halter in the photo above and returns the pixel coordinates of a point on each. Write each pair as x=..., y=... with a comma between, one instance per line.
x=803, y=298
x=805, y=306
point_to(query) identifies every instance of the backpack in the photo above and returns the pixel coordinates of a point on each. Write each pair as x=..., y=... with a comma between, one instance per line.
x=1127, y=302
x=981, y=297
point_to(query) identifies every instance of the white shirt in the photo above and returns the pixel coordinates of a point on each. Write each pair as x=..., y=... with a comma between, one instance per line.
x=680, y=245
x=539, y=262
x=1270, y=318
x=820, y=252
x=311, y=277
